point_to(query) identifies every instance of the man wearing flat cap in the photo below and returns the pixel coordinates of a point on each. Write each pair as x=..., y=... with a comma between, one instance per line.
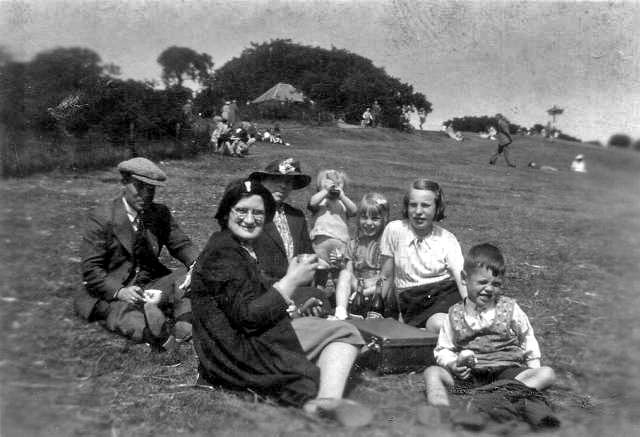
x=125, y=285
x=287, y=235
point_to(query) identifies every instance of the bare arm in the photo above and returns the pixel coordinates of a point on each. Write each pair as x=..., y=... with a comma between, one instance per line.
x=351, y=207
x=315, y=200
x=387, y=276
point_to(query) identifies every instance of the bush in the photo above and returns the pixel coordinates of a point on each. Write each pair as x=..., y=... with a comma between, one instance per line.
x=620, y=140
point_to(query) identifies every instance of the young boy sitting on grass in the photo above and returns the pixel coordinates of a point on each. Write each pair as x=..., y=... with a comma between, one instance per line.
x=487, y=336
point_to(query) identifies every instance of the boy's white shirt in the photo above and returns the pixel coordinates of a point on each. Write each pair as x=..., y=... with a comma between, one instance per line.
x=446, y=352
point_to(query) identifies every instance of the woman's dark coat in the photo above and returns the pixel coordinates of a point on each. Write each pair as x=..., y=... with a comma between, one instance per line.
x=241, y=330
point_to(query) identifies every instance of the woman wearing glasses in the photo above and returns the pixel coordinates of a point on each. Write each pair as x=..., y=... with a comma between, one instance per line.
x=248, y=335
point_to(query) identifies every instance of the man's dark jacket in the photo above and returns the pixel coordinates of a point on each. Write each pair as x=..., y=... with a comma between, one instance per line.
x=107, y=251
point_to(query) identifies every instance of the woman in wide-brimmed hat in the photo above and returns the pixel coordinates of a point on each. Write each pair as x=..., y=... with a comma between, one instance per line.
x=287, y=235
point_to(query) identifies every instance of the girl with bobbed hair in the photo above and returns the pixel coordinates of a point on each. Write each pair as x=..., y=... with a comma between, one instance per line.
x=421, y=259
x=248, y=334
x=363, y=261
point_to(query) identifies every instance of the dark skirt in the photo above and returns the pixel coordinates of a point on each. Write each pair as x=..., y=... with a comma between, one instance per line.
x=418, y=303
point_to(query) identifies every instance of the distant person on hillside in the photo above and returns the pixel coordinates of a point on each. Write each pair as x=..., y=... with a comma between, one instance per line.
x=220, y=134
x=126, y=286
x=504, y=140
x=233, y=117
x=422, y=116
x=225, y=111
x=578, y=165
x=376, y=111
x=367, y=118
x=489, y=134
x=405, y=118
x=454, y=134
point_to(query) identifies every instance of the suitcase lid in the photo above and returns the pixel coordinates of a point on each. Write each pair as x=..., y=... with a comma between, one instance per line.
x=390, y=331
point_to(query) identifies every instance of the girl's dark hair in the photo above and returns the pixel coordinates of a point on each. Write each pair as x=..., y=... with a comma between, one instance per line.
x=424, y=184
x=239, y=189
x=485, y=255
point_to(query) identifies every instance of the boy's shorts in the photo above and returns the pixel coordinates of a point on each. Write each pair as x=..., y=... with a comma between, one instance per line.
x=480, y=377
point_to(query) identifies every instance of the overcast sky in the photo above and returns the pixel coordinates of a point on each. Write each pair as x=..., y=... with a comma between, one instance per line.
x=468, y=58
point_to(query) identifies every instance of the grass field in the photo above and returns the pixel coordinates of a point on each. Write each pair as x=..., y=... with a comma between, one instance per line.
x=572, y=243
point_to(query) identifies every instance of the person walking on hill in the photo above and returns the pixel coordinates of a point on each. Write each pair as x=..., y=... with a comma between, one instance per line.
x=367, y=118
x=422, y=116
x=504, y=140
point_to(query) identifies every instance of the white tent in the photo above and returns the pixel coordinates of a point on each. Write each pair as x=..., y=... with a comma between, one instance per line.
x=281, y=92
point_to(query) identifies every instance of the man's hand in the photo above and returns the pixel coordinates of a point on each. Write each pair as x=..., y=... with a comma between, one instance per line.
x=132, y=294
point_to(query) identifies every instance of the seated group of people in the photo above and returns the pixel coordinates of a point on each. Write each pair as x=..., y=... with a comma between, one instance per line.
x=232, y=140
x=252, y=303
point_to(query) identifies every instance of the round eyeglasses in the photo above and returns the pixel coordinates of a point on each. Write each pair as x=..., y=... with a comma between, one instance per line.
x=242, y=213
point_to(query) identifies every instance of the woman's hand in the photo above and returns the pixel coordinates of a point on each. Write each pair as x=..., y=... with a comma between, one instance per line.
x=301, y=271
x=302, y=268
x=312, y=307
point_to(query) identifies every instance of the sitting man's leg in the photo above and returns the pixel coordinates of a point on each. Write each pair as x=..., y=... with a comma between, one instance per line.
x=174, y=303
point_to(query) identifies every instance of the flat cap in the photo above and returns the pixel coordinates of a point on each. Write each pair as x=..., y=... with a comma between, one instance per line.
x=143, y=170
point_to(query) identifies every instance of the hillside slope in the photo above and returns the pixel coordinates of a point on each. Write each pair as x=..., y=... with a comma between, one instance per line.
x=572, y=244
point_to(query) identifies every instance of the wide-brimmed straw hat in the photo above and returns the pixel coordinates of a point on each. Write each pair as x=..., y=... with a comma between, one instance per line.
x=286, y=168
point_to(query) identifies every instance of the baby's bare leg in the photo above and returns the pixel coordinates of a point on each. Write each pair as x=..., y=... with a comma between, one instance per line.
x=435, y=378
x=539, y=379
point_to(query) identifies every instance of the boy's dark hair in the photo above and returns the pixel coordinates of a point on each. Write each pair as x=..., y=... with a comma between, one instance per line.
x=424, y=184
x=485, y=255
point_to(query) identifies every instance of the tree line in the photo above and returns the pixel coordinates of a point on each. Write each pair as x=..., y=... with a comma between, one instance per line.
x=482, y=123
x=72, y=87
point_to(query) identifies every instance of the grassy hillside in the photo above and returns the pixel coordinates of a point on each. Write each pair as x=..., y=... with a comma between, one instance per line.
x=572, y=243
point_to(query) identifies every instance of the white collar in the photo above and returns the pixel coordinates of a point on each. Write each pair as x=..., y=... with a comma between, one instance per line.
x=132, y=214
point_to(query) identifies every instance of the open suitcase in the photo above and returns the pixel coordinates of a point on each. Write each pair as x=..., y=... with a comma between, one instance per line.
x=394, y=347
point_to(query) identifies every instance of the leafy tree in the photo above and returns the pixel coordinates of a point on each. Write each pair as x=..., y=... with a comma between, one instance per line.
x=620, y=140
x=12, y=91
x=179, y=63
x=336, y=80
x=470, y=123
x=54, y=75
